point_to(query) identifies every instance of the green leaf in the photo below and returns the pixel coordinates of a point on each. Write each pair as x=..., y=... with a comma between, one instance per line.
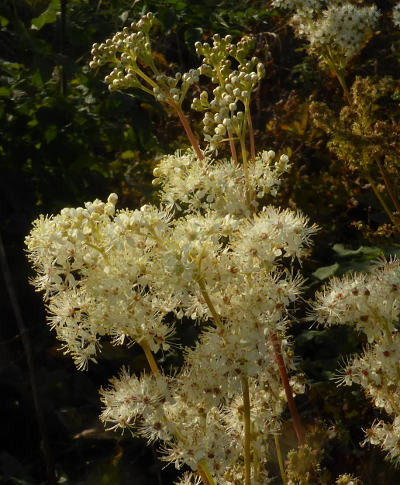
x=49, y=16
x=362, y=252
x=326, y=271
x=3, y=21
x=50, y=133
x=4, y=92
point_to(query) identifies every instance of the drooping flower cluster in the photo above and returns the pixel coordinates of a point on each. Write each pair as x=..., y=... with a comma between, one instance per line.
x=371, y=303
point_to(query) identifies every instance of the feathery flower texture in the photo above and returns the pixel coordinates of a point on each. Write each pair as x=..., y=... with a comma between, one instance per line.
x=371, y=303
x=211, y=252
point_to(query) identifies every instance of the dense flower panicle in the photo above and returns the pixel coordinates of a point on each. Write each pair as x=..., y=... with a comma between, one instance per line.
x=345, y=26
x=188, y=185
x=335, y=30
x=371, y=301
x=207, y=253
x=377, y=371
x=130, y=399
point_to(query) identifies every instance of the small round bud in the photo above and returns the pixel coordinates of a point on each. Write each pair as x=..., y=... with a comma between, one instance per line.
x=112, y=199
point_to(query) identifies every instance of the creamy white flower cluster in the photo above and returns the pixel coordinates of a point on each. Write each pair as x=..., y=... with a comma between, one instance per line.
x=190, y=186
x=119, y=274
x=336, y=31
x=212, y=252
x=371, y=303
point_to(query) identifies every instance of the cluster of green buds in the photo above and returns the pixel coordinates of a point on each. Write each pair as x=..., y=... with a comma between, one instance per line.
x=130, y=52
x=228, y=111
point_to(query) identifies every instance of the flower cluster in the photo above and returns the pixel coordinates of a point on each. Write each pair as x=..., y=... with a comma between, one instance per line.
x=129, y=50
x=371, y=303
x=187, y=185
x=225, y=113
x=211, y=252
x=335, y=32
x=119, y=274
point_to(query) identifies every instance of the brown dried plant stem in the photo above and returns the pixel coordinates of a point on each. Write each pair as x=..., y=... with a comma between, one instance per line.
x=298, y=427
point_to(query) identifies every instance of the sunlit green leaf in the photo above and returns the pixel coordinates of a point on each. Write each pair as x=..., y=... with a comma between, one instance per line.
x=49, y=16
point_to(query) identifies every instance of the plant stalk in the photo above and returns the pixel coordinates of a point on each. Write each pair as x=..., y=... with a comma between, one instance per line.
x=383, y=203
x=189, y=132
x=247, y=435
x=149, y=356
x=388, y=186
x=280, y=460
x=288, y=390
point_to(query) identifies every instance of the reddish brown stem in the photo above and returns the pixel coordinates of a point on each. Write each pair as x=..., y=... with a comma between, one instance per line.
x=298, y=427
x=189, y=132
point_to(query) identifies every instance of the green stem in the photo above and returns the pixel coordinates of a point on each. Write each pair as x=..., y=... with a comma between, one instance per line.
x=245, y=170
x=382, y=202
x=247, y=435
x=388, y=185
x=217, y=318
x=149, y=356
x=339, y=72
x=251, y=133
x=204, y=473
x=280, y=460
x=144, y=76
x=101, y=251
x=233, y=148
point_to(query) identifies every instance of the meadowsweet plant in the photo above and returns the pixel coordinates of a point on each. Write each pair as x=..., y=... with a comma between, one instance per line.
x=212, y=252
x=336, y=31
x=370, y=302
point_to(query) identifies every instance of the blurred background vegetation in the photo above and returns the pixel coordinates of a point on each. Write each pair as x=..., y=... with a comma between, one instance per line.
x=64, y=140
